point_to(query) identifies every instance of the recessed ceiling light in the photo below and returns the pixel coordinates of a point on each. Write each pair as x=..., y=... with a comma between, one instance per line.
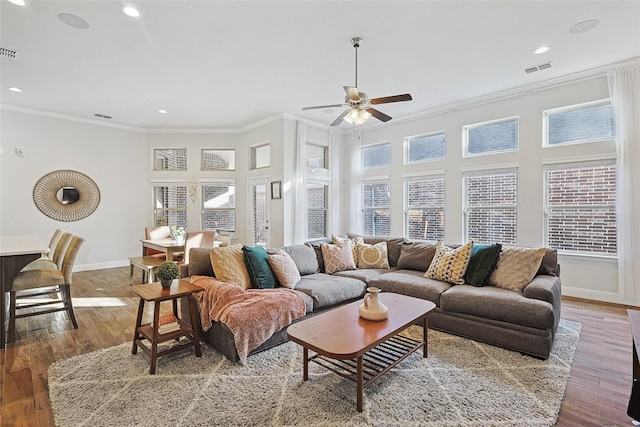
x=542, y=49
x=18, y=2
x=15, y=89
x=584, y=26
x=162, y=111
x=130, y=11
x=74, y=21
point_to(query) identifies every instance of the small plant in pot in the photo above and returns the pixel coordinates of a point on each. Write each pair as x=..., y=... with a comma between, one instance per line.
x=166, y=273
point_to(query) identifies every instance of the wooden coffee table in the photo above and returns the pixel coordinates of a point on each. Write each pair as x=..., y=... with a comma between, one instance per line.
x=358, y=349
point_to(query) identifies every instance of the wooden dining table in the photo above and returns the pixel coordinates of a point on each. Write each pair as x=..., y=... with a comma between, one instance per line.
x=15, y=253
x=167, y=245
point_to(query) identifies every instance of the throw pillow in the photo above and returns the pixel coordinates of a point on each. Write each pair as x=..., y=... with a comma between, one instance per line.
x=256, y=259
x=355, y=241
x=284, y=268
x=516, y=267
x=483, y=261
x=228, y=265
x=373, y=256
x=416, y=256
x=304, y=257
x=450, y=264
x=337, y=257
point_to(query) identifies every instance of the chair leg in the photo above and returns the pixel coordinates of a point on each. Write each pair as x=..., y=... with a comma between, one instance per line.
x=66, y=290
x=12, y=317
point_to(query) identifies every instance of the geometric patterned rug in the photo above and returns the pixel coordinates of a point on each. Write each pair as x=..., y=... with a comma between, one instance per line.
x=461, y=383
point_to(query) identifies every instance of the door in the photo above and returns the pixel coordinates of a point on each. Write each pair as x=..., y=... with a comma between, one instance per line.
x=259, y=205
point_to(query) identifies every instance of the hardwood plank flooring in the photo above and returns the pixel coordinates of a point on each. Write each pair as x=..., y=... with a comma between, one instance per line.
x=597, y=393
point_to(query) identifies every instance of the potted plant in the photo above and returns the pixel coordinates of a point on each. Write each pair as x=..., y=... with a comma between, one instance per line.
x=178, y=234
x=166, y=273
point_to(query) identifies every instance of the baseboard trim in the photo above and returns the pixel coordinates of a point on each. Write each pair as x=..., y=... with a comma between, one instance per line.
x=101, y=266
x=596, y=295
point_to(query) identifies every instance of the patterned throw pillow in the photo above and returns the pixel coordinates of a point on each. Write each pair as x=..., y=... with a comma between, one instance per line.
x=450, y=264
x=337, y=257
x=516, y=267
x=284, y=268
x=228, y=265
x=355, y=242
x=373, y=256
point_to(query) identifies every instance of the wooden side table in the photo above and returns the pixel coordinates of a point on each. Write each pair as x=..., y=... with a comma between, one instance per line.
x=155, y=293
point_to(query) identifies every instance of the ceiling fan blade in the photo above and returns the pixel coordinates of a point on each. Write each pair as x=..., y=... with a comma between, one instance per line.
x=379, y=115
x=337, y=121
x=317, y=107
x=388, y=99
x=352, y=93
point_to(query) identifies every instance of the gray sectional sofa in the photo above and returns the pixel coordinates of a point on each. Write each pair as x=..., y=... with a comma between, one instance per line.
x=521, y=321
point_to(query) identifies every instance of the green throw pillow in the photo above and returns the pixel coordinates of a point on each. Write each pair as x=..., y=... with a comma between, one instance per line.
x=483, y=261
x=255, y=257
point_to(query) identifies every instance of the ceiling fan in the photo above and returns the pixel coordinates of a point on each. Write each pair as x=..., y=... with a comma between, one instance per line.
x=358, y=106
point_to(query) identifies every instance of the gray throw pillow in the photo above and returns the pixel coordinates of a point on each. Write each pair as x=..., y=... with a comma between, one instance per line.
x=304, y=257
x=416, y=256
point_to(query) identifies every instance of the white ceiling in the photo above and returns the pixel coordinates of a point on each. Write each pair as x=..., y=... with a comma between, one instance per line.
x=226, y=65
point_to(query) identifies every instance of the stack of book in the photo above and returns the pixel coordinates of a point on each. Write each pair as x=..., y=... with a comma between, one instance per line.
x=168, y=324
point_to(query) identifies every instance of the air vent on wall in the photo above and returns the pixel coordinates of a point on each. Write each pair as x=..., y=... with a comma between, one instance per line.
x=8, y=53
x=102, y=116
x=540, y=67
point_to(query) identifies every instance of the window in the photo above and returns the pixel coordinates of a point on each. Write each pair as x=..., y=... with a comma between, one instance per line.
x=219, y=205
x=218, y=159
x=165, y=159
x=261, y=156
x=423, y=148
x=170, y=205
x=317, y=156
x=317, y=197
x=424, y=219
x=491, y=137
x=580, y=207
x=376, y=214
x=490, y=207
x=376, y=155
x=579, y=123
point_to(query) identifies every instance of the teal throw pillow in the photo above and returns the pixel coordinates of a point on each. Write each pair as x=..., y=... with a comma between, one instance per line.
x=483, y=261
x=255, y=257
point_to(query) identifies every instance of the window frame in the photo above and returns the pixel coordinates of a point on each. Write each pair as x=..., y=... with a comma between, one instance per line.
x=407, y=144
x=156, y=210
x=567, y=108
x=424, y=177
x=325, y=150
x=377, y=144
x=253, y=155
x=327, y=189
x=210, y=183
x=465, y=136
x=203, y=151
x=154, y=159
x=374, y=181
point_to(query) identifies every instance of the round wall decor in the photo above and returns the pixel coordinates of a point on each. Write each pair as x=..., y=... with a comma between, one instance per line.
x=66, y=195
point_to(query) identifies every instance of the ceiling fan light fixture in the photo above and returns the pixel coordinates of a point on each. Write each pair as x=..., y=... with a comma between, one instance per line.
x=357, y=116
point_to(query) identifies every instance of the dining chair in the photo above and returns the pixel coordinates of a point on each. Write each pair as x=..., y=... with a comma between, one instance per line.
x=197, y=239
x=154, y=233
x=55, y=283
x=56, y=254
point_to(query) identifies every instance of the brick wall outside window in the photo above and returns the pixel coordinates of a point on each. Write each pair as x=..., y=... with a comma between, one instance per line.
x=376, y=155
x=580, y=124
x=425, y=208
x=170, y=205
x=218, y=206
x=170, y=159
x=213, y=161
x=376, y=219
x=491, y=202
x=316, y=211
x=425, y=147
x=581, y=214
x=492, y=137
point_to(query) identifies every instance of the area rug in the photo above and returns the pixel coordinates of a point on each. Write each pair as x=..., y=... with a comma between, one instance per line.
x=462, y=382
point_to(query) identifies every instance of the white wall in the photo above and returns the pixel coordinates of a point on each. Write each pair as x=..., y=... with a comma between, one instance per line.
x=116, y=159
x=582, y=276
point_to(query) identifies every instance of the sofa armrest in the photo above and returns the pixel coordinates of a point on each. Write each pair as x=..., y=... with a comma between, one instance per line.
x=546, y=288
x=183, y=270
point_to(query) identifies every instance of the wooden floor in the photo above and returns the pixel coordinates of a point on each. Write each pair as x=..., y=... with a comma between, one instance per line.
x=597, y=393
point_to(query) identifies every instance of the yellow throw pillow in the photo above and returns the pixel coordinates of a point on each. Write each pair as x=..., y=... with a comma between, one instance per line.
x=373, y=256
x=516, y=267
x=355, y=242
x=228, y=265
x=448, y=264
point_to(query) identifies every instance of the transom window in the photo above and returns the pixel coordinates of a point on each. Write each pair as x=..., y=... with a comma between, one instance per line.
x=317, y=156
x=169, y=159
x=376, y=155
x=424, y=219
x=580, y=209
x=170, y=205
x=375, y=208
x=261, y=156
x=423, y=148
x=490, y=207
x=219, y=205
x=218, y=159
x=579, y=123
x=491, y=137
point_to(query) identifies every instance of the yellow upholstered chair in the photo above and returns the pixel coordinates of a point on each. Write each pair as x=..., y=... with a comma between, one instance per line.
x=50, y=282
x=197, y=239
x=57, y=247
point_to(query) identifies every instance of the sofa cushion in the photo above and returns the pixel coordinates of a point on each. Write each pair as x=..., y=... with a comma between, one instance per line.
x=516, y=267
x=549, y=265
x=315, y=245
x=327, y=290
x=355, y=241
x=365, y=274
x=498, y=304
x=304, y=257
x=338, y=257
x=483, y=261
x=393, y=245
x=411, y=283
x=450, y=264
x=372, y=256
x=256, y=259
x=200, y=262
x=284, y=269
x=416, y=256
x=228, y=265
